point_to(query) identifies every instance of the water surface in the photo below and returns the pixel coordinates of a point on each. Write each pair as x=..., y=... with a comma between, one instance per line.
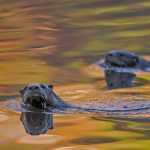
x=55, y=42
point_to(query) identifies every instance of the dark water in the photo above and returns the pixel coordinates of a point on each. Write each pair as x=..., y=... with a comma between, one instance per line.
x=55, y=42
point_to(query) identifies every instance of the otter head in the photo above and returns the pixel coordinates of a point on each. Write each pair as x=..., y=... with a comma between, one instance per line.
x=121, y=59
x=36, y=95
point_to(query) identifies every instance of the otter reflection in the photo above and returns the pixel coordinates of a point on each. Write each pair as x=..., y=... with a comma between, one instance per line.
x=36, y=123
x=119, y=79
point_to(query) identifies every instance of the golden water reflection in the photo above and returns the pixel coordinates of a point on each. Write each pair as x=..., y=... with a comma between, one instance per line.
x=77, y=132
x=55, y=42
x=41, y=39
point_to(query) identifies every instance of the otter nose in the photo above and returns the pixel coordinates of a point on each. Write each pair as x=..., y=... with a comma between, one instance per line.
x=33, y=87
x=110, y=54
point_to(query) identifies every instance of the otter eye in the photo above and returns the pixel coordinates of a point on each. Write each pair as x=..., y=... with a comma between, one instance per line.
x=110, y=55
x=43, y=86
x=121, y=54
x=30, y=88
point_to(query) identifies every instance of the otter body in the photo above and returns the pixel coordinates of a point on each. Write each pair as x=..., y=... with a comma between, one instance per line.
x=42, y=96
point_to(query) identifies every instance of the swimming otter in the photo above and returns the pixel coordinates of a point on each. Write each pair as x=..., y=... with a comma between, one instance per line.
x=125, y=60
x=120, y=68
x=42, y=96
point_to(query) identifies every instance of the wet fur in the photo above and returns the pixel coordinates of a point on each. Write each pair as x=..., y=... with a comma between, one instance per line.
x=125, y=59
x=42, y=96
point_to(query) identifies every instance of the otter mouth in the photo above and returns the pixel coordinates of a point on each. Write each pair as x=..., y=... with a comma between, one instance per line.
x=36, y=101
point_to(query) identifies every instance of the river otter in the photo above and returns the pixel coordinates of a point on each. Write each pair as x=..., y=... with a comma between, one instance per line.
x=42, y=96
x=120, y=68
x=125, y=60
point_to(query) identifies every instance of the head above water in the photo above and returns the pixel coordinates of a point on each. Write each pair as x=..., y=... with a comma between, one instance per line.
x=121, y=66
x=121, y=59
x=36, y=95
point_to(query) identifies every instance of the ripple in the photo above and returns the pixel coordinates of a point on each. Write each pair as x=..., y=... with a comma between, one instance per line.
x=42, y=139
x=75, y=148
x=3, y=118
x=120, y=107
x=93, y=140
x=115, y=108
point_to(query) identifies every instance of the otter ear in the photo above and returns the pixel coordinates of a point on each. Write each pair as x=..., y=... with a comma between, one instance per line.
x=50, y=86
x=21, y=92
